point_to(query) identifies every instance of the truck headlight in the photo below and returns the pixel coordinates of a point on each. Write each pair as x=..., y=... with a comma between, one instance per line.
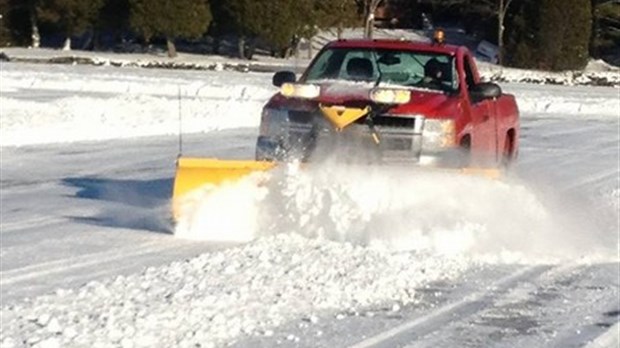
x=300, y=90
x=273, y=122
x=438, y=134
x=390, y=96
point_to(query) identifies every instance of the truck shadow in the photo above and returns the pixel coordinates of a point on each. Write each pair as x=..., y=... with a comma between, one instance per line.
x=131, y=204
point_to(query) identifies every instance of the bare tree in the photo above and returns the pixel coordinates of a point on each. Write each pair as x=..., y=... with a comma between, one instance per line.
x=73, y=17
x=370, y=6
x=24, y=8
x=498, y=8
x=34, y=26
x=501, y=8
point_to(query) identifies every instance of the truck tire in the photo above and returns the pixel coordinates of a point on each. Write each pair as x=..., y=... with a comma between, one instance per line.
x=508, y=154
x=465, y=159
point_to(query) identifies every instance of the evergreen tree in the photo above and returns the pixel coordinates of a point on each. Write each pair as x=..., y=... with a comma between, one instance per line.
x=170, y=19
x=5, y=31
x=222, y=23
x=276, y=22
x=550, y=34
x=73, y=17
x=19, y=24
x=605, y=40
x=337, y=14
x=521, y=35
x=247, y=19
x=113, y=18
x=407, y=13
x=576, y=38
x=281, y=21
x=564, y=34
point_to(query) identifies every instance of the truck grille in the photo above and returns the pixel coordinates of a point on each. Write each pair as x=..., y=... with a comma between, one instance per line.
x=297, y=116
x=400, y=136
x=391, y=121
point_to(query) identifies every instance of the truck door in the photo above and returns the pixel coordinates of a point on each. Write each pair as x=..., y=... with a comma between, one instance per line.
x=483, y=117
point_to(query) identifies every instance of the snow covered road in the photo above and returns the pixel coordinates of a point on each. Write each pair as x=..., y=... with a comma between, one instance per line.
x=73, y=212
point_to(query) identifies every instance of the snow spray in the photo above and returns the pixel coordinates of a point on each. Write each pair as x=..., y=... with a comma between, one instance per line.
x=398, y=207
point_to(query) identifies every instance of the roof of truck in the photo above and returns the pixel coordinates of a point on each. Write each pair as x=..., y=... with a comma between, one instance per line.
x=396, y=45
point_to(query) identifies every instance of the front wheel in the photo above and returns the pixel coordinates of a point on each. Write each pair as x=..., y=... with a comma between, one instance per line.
x=508, y=153
x=464, y=153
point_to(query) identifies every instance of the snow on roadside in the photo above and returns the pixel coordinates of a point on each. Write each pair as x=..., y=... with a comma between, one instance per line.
x=41, y=106
x=578, y=102
x=151, y=59
x=80, y=103
x=589, y=77
x=86, y=118
x=597, y=73
x=212, y=299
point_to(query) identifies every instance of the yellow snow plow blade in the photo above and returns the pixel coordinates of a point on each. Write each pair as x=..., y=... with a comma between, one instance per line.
x=193, y=173
x=490, y=173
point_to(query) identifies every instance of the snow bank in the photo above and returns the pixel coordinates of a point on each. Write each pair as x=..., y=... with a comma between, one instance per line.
x=596, y=74
x=86, y=119
x=589, y=77
x=209, y=300
x=184, y=61
x=46, y=104
x=575, y=102
x=40, y=106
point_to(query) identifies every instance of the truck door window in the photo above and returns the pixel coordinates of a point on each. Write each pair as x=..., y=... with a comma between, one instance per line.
x=455, y=74
x=469, y=76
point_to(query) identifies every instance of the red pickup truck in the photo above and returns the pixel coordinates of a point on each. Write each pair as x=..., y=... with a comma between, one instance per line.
x=391, y=100
x=375, y=101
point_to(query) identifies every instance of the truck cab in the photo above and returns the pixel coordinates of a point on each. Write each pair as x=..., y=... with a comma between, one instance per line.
x=407, y=101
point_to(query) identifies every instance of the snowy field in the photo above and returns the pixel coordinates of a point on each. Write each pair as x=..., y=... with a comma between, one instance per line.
x=398, y=260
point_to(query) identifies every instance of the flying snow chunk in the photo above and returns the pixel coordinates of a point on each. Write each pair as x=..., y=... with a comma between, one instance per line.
x=223, y=213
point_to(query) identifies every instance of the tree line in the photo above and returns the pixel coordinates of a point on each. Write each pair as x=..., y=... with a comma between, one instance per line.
x=542, y=34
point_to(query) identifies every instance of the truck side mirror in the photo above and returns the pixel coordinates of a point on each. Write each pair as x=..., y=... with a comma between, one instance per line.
x=282, y=77
x=485, y=90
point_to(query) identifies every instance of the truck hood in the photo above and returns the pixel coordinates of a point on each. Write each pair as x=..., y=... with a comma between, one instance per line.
x=423, y=102
x=428, y=103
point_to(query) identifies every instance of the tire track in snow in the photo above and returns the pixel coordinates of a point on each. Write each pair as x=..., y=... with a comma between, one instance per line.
x=439, y=318
x=594, y=179
x=40, y=221
x=26, y=273
x=530, y=309
x=610, y=339
x=577, y=169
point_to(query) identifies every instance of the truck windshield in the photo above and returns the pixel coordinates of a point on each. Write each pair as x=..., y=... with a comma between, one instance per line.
x=425, y=70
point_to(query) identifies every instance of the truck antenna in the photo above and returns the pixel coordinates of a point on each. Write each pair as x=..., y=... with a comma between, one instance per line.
x=180, y=123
